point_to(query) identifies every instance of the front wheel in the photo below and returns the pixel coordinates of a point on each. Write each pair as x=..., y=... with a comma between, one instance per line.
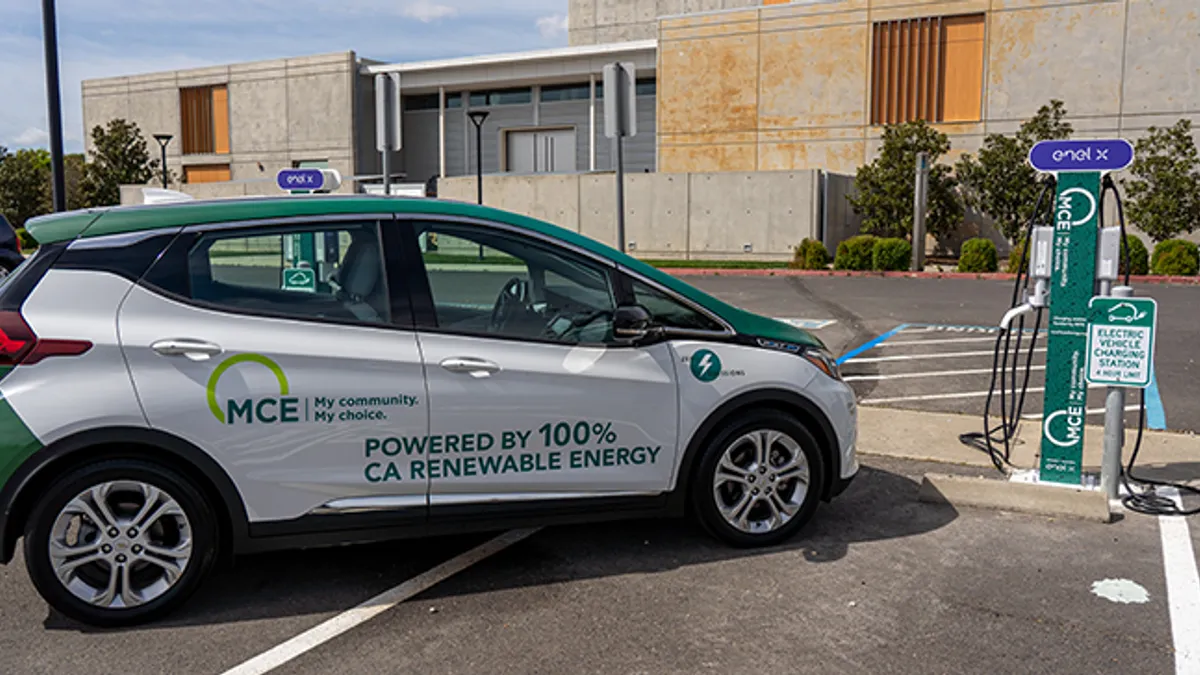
x=119, y=542
x=759, y=480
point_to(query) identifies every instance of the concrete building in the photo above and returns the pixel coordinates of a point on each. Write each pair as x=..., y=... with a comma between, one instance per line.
x=740, y=87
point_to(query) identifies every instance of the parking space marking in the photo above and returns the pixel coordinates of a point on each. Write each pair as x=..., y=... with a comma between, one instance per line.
x=939, y=341
x=870, y=344
x=322, y=633
x=936, y=373
x=1183, y=588
x=914, y=357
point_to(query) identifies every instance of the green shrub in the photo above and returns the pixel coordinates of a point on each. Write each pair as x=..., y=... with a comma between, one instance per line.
x=891, y=255
x=1139, y=257
x=810, y=255
x=1014, y=257
x=978, y=255
x=28, y=243
x=855, y=253
x=1175, y=258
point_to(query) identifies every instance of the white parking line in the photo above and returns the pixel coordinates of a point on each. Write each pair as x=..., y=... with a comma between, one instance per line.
x=936, y=373
x=1183, y=589
x=314, y=637
x=913, y=357
x=941, y=397
x=938, y=341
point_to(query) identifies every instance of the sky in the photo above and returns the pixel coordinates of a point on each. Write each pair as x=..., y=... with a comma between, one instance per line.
x=105, y=38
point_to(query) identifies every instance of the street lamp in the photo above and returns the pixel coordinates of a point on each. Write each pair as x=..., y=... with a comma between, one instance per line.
x=54, y=105
x=477, y=117
x=163, y=140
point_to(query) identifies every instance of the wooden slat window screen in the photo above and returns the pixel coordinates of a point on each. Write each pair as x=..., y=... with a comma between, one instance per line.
x=204, y=113
x=928, y=68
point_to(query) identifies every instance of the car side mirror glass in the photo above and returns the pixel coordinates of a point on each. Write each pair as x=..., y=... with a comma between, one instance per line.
x=632, y=322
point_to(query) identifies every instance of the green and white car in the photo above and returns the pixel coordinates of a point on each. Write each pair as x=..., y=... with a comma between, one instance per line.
x=189, y=381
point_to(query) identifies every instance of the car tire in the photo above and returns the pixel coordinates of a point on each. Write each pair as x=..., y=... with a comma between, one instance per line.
x=127, y=576
x=746, y=502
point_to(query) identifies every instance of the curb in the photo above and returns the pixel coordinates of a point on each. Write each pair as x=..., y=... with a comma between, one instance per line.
x=785, y=272
x=1040, y=500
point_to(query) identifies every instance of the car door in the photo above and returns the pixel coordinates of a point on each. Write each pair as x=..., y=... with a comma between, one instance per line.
x=530, y=396
x=280, y=352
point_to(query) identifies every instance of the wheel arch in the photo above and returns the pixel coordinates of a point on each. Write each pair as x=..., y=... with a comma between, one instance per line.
x=19, y=495
x=799, y=406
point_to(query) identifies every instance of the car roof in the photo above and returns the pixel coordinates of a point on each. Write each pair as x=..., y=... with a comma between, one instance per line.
x=88, y=223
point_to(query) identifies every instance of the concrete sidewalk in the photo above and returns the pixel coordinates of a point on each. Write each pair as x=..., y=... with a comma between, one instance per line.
x=933, y=437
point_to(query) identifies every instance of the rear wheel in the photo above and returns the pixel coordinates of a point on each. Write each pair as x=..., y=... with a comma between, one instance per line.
x=759, y=480
x=119, y=542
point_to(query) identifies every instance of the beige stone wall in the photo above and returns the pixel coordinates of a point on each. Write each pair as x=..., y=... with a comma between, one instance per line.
x=788, y=87
x=280, y=112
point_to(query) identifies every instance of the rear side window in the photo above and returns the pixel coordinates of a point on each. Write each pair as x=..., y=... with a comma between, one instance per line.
x=334, y=272
x=19, y=283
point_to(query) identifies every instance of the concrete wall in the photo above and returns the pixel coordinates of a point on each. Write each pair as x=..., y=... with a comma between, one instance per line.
x=754, y=216
x=280, y=112
x=788, y=87
x=599, y=21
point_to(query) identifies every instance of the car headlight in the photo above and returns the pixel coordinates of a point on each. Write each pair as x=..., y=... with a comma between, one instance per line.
x=823, y=360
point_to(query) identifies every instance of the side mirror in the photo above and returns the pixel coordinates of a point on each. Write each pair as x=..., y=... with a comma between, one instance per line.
x=631, y=322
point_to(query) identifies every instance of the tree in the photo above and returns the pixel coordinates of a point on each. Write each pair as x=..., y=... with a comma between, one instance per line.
x=885, y=186
x=1164, y=191
x=119, y=158
x=74, y=169
x=25, y=185
x=1000, y=182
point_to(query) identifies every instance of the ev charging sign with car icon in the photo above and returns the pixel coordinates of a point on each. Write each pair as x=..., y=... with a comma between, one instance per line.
x=1120, y=347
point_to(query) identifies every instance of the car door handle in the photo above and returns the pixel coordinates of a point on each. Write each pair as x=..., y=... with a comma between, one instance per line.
x=196, y=350
x=474, y=367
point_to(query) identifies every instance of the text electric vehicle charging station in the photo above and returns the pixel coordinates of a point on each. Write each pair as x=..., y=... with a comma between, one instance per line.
x=1097, y=333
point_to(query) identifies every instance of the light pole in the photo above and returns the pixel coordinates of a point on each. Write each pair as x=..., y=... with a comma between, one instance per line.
x=477, y=118
x=163, y=140
x=54, y=103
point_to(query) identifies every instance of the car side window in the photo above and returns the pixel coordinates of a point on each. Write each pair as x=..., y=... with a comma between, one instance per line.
x=492, y=283
x=335, y=272
x=669, y=312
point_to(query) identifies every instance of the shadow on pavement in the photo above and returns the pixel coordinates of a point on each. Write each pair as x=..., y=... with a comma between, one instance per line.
x=879, y=505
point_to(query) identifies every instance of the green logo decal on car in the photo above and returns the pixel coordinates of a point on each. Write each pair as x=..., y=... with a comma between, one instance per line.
x=705, y=365
x=286, y=408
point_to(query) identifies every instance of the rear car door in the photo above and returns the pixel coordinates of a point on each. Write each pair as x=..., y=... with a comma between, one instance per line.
x=531, y=398
x=286, y=352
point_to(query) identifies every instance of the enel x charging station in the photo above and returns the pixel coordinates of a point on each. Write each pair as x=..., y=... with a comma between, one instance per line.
x=1096, y=332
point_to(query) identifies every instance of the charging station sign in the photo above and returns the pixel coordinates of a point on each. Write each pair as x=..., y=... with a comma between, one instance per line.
x=1120, y=345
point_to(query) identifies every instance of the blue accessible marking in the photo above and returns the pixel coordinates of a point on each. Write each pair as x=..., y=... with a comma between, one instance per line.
x=871, y=344
x=1156, y=415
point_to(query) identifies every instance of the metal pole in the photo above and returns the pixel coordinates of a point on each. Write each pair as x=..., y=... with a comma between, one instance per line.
x=620, y=141
x=479, y=161
x=387, y=172
x=54, y=102
x=1114, y=420
x=920, y=189
x=164, y=165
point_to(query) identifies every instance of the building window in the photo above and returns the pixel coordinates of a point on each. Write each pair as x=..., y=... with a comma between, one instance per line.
x=566, y=92
x=927, y=69
x=311, y=164
x=421, y=102
x=204, y=112
x=206, y=173
x=518, y=96
x=646, y=87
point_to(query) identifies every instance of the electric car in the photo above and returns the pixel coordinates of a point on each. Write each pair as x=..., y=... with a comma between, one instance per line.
x=190, y=381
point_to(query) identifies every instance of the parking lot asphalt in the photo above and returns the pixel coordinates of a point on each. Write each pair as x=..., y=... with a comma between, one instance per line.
x=879, y=582
x=917, y=368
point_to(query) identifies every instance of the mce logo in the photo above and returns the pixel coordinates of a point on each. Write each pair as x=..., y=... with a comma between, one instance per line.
x=263, y=410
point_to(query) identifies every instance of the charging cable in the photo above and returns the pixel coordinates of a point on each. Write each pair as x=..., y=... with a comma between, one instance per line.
x=1146, y=500
x=1012, y=396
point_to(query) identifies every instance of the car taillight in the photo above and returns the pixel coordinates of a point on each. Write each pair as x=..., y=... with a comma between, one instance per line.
x=20, y=346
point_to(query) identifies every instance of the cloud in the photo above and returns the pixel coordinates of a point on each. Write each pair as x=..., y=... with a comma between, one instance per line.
x=32, y=136
x=426, y=11
x=552, y=26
